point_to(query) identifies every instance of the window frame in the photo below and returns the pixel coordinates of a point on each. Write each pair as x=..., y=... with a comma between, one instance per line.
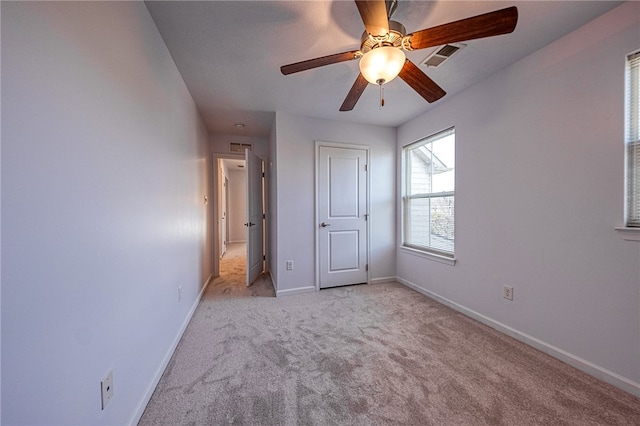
x=430, y=252
x=631, y=229
x=632, y=140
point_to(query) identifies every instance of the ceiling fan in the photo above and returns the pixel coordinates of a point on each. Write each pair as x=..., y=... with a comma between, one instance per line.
x=381, y=50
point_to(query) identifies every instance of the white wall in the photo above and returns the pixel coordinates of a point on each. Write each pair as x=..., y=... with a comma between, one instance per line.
x=296, y=227
x=104, y=168
x=539, y=177
x=237, y=205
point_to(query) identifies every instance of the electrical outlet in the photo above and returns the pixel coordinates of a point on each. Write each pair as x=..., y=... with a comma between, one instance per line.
x=106, y=388
x=289, y=265
x=179, y=293
x=507, y=292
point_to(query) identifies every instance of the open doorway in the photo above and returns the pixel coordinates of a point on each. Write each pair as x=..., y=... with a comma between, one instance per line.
x=232, y=189
x=235, y=216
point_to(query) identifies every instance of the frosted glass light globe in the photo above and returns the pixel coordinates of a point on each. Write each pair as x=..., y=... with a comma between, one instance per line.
x=382, y=64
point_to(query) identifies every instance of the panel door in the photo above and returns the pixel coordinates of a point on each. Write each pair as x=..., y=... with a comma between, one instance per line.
x=342, y=216
x=254, y=225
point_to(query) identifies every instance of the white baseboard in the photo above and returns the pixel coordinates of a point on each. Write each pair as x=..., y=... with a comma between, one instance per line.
x=383, y=280
x=137, y=415
x=293, y=291
x=588, y=367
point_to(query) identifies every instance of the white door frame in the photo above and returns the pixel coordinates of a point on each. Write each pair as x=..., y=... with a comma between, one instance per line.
x=216, y=214
x=366, y=148
x=227, y=229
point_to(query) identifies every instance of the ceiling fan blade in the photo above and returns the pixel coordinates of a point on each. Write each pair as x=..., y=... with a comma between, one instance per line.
x=374, y=16
x=319, y=62
x=354, y=94
x=420, y=82
x=489, y=24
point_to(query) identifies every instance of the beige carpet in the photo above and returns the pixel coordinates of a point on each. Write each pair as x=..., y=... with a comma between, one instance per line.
x=232, y=280
x=366, y=355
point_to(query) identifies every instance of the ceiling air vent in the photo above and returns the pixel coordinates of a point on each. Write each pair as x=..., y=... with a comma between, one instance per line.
x=441, y=54
x=239, y=147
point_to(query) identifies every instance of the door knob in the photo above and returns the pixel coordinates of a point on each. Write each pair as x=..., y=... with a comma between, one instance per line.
x=324, y=225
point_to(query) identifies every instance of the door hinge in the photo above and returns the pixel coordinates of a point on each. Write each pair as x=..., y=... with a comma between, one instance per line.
x=264, y=257
x=264, y=216
x=262, y=174
x=366, y=167
x=366, y=268
x=366, y=217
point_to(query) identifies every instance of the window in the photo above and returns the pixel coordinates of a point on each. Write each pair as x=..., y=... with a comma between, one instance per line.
x=633, y=140
x=429, y=193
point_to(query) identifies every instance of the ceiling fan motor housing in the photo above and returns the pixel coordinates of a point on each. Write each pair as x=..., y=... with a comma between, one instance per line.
x=393, y=38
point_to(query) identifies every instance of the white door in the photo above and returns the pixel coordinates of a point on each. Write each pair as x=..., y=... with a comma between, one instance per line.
x=342, y=216
x=254, y=223
x=223, y=216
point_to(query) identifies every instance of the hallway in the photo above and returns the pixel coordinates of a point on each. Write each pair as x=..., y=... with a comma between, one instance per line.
x=232, y=280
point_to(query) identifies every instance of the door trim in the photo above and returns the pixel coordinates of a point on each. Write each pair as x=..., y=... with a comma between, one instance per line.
x=216, y=216
x=366, y=148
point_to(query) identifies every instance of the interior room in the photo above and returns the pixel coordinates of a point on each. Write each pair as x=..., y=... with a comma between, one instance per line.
x=122, y=131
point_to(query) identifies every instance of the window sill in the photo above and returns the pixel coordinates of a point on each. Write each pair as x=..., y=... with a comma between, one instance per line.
x=629, y=234
x=431, y=256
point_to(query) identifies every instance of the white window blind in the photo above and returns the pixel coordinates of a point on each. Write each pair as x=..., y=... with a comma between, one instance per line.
x=633, y=140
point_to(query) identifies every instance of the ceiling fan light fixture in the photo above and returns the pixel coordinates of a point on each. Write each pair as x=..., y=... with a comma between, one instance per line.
x=382, y=64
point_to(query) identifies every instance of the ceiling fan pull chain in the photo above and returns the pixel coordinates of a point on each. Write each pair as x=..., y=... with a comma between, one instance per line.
x=381, y=96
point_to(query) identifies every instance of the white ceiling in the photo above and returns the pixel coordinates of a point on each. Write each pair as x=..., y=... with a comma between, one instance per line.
x=230, y=52
x=232, y=164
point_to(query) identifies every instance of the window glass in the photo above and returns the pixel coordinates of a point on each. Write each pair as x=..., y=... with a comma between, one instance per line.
x=632, y=133
x=429, y=194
